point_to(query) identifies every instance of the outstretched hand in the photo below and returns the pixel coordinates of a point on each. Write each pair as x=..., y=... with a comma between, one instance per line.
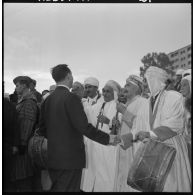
x=114, y=140
x=142, y=135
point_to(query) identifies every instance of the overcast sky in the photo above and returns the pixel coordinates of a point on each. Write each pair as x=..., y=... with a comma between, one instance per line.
x=106, y=41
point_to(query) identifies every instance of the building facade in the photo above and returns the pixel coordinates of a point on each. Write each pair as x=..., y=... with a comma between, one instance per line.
x=181, y=58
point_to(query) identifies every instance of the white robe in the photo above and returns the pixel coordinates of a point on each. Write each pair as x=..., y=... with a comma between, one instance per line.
x=139, y=108
x=99, y=175
x=169, y=113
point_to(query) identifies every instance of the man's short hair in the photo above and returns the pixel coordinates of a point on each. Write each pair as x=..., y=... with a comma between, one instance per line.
x=59, y=72
x=34, y=82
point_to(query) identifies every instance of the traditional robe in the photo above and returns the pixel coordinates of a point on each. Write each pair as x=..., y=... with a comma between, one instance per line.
x=99, y=175
x=169, y=113
x=133, y=120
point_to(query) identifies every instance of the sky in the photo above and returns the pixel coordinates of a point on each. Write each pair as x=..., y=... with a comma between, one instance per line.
x=106, y=41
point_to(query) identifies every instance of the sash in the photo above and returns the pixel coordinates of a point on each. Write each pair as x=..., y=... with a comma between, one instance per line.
x=163, y=132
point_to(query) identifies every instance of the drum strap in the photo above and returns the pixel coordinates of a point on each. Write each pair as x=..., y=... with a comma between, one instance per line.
x=152, y=113
x=167, y=132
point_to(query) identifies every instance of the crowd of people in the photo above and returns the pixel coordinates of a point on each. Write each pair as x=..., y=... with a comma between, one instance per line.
x=93, y=136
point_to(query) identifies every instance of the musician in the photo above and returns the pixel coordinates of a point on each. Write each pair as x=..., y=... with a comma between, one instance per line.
x=99, y=175
x=166, y=125
x=132, y=121
x=63, y=122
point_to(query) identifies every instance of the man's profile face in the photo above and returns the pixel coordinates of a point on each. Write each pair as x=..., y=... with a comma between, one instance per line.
x=20, y=88
x=130, y=90
x=90, y=90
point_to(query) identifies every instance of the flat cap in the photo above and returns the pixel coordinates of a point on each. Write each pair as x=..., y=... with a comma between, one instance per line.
x=22, y=78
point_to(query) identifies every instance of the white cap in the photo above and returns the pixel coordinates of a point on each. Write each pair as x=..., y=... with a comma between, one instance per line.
x=179, y=72
x=91, y=81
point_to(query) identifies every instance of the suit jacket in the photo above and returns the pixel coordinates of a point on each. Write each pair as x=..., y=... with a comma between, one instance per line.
x=63, y=122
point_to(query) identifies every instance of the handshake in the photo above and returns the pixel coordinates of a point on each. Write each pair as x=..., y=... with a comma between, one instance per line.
x=115, y=139
x=125, y=141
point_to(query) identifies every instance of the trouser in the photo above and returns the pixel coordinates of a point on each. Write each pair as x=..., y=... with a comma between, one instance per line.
x=24, y=185
x=65, y=180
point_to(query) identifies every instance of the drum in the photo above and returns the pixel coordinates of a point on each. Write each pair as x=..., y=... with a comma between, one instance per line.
x=37, y=150
x=151, y=166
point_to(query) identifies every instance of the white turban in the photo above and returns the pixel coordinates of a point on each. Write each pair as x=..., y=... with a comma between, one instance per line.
x=188, y=78
x=91, y=81
x=135, y=80
x=186, y=72
x=115, y=86
x=179, y=72
x=156, y=78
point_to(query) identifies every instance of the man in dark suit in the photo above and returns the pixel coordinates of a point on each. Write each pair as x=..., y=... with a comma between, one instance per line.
x=63, y=122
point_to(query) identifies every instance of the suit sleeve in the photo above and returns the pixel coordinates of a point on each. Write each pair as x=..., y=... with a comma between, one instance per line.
x=79, y=121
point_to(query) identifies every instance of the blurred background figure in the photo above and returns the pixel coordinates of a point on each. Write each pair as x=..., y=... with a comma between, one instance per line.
x=14, y=97
x=178, y=77
x=10, y=142
x=35, y=92
x=52, y=88
x=187, y=94
x=44, y=92
x=78, y=89
x=122, y=96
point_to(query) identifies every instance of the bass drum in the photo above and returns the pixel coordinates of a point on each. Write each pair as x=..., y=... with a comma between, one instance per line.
x=37, y=150
x=151, y=166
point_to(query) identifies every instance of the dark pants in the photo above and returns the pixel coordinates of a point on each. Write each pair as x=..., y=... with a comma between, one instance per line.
x=65, y=180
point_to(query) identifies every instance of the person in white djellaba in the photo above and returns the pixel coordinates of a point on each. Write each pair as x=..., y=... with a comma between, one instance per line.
x=167, y=112
x=99, y=176
x=133, y=120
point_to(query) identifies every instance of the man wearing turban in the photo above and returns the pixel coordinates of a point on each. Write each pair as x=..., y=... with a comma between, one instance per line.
x=99, y=176
x=166, y=125
x=133, y=120
x=91, y=90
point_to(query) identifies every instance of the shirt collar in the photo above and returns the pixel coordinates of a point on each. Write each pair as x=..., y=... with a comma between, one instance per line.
x=64, y=86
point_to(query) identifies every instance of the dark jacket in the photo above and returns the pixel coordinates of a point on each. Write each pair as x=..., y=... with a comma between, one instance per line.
x=63, y=122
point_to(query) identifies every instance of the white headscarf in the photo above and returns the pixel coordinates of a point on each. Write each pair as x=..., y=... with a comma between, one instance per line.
x=156, y=78
x=115, y=86
x=188, y=78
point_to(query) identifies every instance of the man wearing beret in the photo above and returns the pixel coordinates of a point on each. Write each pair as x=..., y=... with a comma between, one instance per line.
x=27, y=116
